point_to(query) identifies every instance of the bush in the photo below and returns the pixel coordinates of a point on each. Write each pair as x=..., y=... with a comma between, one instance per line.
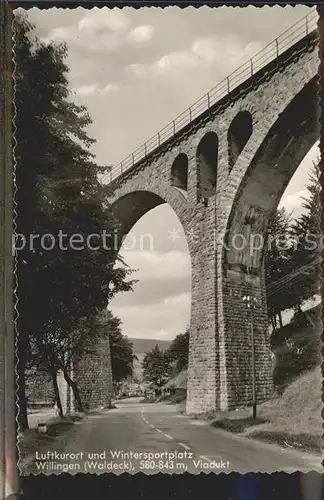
x=299, y=350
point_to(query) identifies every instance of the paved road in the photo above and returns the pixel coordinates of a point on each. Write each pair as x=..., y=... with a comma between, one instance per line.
x=176, y=443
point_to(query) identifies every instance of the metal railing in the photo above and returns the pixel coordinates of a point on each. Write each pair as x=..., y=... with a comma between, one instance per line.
x=266, y=55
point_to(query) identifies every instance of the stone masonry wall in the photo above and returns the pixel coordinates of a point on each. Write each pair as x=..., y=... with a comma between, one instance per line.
x=39, y=388
x=219, y=374
x=238, y=340
x=94, y=377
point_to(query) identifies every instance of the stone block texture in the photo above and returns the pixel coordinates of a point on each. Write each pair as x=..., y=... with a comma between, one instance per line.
x=94, y=377
x=39, y=388
x=233, y=184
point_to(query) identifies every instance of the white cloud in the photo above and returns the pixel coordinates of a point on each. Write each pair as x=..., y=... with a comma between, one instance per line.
x=183, y=299
x=295, y=191
x=155, y=266
x=97, y=20
x=161, y=334
x=106, y=42
x=94, y=89
x=292, y=202
x=98, y=30
x=163, y=320
x=141, y=34
x=191, y=59
x=137, y=69
x=164, y=280
x=204, y=48
x=222, y=54
x=109, y=87
x=59, y=35
x=178, y=60
x=294, y=198
x=87, y=90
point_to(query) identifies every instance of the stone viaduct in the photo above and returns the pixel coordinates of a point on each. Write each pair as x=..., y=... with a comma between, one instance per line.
x=223, y=173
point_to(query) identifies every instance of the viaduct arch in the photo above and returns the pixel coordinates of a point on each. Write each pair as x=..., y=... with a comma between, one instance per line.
x=223, y=175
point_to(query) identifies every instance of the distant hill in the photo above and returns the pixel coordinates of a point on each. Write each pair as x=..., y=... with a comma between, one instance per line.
x=144, y=345
x=141, y=347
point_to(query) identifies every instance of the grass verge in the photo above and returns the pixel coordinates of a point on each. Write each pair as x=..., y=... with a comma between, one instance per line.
x=174, y=398
x=58, y=429
x=292, y=420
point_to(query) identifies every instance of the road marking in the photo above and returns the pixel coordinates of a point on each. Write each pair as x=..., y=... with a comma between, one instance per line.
x=142, y=415
x=153, y=427
x=205, y=458
x=184, y=446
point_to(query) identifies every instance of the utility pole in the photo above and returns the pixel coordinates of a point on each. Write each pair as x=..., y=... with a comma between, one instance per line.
x=251, y=302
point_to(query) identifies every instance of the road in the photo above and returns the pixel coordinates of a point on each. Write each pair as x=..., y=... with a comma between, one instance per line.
x=176, y=443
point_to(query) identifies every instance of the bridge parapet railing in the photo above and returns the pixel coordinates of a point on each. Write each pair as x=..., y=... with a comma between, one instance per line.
x=266, y=55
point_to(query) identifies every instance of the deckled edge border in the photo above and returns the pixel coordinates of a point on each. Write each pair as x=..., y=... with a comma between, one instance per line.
x=8, y=398
x=320, y=24
x=14, y=216
x=2, y=257
x=7, y=211
x=135, y=4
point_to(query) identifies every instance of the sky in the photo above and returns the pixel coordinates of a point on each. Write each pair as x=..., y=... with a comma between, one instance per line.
x=136, y=70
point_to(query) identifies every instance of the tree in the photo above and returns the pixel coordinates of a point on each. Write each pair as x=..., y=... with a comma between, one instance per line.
x=121, y=348
x=60, y=285
x=292, y=277
x=306, y=232
x=292, y=270
x=178, y=352
x=277, y=266
x=47, y=363
x=61, y=351
x=155, y=366
x=54, y=352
